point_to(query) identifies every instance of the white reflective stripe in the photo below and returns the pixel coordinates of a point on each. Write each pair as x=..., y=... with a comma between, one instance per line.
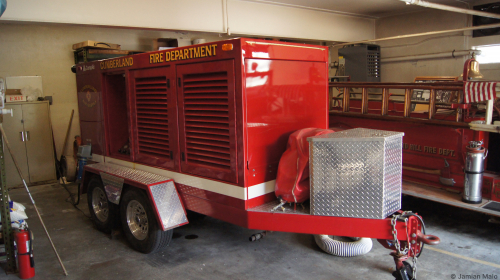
x=192, y=181
x=261, y=189
x=197, y=182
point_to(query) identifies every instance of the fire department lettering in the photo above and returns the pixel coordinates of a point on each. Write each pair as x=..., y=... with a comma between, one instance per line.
x=188, y=53
x=429, y=150
x=117, y=63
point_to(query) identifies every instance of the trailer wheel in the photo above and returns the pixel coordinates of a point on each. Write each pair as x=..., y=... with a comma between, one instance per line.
x=101, y=211
x=140, y=225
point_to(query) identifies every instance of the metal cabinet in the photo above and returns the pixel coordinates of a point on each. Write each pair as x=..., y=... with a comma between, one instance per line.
x=30, y=136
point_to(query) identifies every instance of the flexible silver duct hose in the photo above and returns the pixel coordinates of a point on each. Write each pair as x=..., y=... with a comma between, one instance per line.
x=343, y=248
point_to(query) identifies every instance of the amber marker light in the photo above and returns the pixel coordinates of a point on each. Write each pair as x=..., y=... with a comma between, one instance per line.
x=227, y=47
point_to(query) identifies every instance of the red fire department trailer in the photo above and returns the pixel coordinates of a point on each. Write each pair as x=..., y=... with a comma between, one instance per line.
x=202, y=128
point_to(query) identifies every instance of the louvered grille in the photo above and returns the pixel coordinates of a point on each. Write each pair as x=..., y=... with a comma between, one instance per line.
x=152, y=116
x=206, y=113
x=373, y=64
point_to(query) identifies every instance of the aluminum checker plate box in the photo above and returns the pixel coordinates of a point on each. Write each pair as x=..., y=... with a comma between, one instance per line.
x=356, y=173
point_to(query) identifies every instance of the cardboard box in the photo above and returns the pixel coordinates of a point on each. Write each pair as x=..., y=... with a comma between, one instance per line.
x=13, y=92
x=170, y=43
x=95, y=44
x=15, y=98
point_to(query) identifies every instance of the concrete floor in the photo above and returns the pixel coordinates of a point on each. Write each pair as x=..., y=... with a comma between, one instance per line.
x=222, y=250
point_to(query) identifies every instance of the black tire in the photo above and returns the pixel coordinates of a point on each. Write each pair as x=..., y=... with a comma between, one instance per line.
x=102, y=211
x=139, y=223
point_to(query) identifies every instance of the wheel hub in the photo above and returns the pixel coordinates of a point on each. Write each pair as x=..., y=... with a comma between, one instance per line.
x=100, y=204
x=137, y=220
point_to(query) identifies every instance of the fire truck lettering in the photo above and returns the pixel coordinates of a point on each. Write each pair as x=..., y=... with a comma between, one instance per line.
x=414, y=147
x=187, y=53
x=405, y=146
x=117, y=63
x=430, y=150
x=446, y=152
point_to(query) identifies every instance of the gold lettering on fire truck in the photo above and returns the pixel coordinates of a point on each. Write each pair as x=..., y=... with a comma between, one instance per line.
x=429, y=149
x=117, y=63
x=187, y=53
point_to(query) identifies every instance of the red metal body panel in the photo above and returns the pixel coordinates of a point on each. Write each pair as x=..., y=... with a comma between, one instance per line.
x=93, y=132
x=90, y=108
x=307, y=224
x=297, y=75
x=279, y=101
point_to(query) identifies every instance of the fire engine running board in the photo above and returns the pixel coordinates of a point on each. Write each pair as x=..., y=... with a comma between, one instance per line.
x=161, y=191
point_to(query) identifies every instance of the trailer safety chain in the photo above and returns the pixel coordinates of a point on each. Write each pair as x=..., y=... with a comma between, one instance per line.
x=404, y=217
x=395, y=233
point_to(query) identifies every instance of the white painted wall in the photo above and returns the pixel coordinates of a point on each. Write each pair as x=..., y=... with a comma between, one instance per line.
x=428, y=20
x=245, y=18
x=291, y=22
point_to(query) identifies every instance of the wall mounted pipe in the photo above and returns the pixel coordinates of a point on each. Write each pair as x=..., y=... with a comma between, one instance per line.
x=452, y=54
x=486, y=26
x=450, y=8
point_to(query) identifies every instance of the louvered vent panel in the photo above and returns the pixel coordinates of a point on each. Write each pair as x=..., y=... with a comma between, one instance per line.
x=373, y=64
x=206, y=112
x=152, y=116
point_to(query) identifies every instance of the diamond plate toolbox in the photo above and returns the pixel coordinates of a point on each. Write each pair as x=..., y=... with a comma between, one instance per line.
x=356, y=173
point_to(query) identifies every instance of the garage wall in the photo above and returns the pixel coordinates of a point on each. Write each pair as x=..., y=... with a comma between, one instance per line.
x=428, y=20
x=292, y=22
x=46, y=50
x=243, y=17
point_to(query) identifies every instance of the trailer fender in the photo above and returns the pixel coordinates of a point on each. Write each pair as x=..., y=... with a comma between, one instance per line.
x=161, y=191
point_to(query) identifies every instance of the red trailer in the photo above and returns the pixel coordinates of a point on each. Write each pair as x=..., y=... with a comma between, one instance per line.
x=202, y=128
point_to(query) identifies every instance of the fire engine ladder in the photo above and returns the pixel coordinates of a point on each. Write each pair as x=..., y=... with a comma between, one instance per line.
x=385, y=97
x=344, y=108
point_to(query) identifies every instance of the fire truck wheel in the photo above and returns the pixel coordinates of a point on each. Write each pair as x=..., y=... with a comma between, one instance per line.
x=140, y=225
x=101, y=210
